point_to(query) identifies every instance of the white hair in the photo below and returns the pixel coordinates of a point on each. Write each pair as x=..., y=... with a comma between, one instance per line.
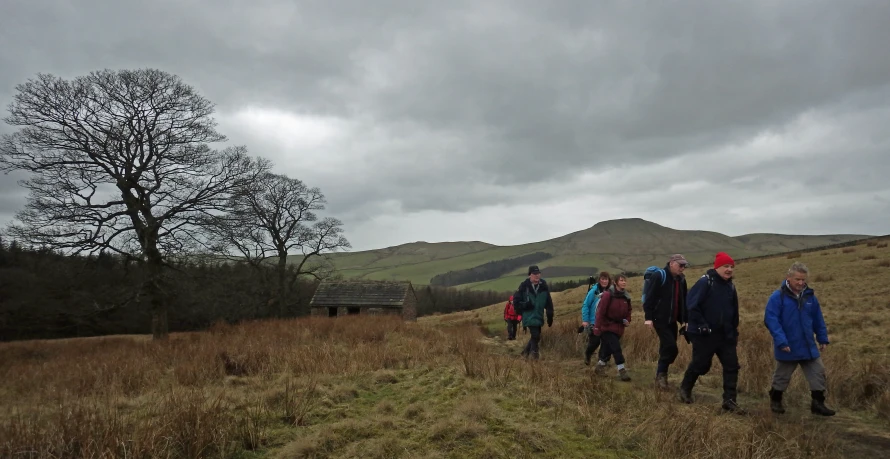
x=798, y=267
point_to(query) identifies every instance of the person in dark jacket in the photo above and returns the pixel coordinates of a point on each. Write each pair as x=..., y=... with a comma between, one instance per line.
x=713, y=328
x=665, y=309
x=531, y=300
x=588, y=313
x=793, y=316
x=612, y=316
x=512, y=319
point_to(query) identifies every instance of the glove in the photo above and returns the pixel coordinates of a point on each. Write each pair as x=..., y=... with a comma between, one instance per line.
x=550, y=321
x=685, y=336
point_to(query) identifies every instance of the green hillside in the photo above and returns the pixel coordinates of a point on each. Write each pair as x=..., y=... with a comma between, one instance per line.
x=626, y=244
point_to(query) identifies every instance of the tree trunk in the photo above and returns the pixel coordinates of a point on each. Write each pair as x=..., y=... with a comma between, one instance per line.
x=282, y=285
x=159, y=327
x=155, y=290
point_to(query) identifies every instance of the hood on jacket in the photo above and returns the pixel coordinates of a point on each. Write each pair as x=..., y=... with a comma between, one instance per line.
x=613, y=291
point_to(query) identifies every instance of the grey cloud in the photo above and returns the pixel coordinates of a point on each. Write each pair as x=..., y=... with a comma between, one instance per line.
x=516, y=95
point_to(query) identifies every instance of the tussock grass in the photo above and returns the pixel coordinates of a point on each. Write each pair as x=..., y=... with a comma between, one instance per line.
x=447, y=386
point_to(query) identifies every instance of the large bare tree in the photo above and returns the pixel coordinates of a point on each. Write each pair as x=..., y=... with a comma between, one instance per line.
x=120, y=161
x=272, y=220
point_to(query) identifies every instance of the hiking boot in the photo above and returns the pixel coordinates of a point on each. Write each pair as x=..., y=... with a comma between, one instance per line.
x=817, y=406
x=733, y=407
x=622, y=375
x=685, y=395
x=587, y=360
x=599, y=369
x=775, y=401
x=661, y=381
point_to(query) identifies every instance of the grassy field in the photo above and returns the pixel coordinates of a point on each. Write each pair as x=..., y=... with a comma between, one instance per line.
x=627, y=244
x=509, y=283
x=450, y=386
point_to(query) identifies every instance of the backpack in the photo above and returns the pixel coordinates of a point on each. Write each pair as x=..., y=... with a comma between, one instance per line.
x=711, y=282
x=520, y=306
x=647, y=279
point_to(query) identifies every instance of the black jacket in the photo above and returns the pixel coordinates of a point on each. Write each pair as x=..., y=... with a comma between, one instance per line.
x=659, y=303
x=713, y=304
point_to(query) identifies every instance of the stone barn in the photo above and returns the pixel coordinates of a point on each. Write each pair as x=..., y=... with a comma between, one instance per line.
x=340, y=298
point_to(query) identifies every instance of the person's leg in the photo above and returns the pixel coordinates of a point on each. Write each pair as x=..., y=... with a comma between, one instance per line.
x=667, y=350
x=781, y=378
x=814, y=371
x=727, y=353
x=593, y=342
x=605, y=354
x=528, y=344
x=535, y=340
x=511, y=329
x=702, y=354
x=782, y=374
x=615, y=346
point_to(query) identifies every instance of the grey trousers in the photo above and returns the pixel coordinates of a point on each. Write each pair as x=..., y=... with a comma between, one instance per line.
x=813, y=370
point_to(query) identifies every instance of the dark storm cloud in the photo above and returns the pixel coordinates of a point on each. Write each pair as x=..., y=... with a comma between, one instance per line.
x=451, y=106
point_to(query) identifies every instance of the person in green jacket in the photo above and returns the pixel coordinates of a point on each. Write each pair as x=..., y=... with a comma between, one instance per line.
x=532, y=299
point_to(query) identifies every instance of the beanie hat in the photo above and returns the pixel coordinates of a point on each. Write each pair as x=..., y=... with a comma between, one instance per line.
x=721, y=259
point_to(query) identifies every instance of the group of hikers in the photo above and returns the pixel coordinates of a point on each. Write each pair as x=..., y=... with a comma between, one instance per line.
x=707, y=316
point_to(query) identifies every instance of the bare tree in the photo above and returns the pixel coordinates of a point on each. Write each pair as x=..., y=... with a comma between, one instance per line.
x=120, y=161
x=273, y=219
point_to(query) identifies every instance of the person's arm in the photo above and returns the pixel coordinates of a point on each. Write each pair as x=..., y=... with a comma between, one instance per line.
x=549, y=308
x=694, y=306
x=771, y=318
x=629, y=312
x=651, y=300
x=587, y=308
x=735, y=310
x=683, y=294
x=819, y=326
x=605, y=299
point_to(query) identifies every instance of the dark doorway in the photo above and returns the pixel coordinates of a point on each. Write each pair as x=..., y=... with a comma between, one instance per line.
x=332, y=312
x=352, y=311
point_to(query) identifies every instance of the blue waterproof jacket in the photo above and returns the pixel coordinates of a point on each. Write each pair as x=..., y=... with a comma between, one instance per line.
x=588, y=309
x=793, y=322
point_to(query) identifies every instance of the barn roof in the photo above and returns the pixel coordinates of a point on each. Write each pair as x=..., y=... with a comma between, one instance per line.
x=361, y=293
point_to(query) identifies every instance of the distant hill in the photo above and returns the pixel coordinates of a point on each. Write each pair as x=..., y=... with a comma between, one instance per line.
x=616, y=245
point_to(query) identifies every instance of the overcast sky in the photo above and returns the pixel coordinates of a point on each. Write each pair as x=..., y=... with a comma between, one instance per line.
x=510, y=121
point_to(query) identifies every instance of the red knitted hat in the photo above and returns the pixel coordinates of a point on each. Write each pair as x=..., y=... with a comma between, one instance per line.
x=721, y=259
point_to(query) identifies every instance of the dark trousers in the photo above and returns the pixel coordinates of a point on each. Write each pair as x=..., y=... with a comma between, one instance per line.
x=611, y=347
x=704, y=348
x=531, y=348
x=512, y=325
x=593, y=342
x=667, y=345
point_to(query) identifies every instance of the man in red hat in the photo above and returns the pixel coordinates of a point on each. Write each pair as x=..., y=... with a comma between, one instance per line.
x=713, y=328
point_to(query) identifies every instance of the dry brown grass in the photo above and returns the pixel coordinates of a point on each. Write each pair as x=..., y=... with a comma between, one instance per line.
x=444, y=387
x=193, y=396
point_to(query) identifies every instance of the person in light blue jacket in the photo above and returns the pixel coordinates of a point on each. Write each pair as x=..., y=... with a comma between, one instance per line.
x=588, y=313
x=794, y=319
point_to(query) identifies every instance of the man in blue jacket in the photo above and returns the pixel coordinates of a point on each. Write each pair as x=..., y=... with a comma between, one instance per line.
x=713, y=328
x=793, y=316
x=531, y=300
